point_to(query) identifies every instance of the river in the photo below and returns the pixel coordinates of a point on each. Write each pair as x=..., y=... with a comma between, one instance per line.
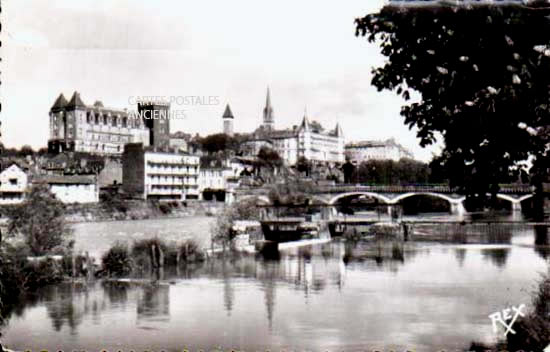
x=419, y=295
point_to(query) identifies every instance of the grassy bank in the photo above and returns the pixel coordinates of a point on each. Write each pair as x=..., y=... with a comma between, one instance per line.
x=138, y=210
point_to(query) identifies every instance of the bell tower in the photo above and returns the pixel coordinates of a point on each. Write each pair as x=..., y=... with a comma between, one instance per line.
x=228, y=121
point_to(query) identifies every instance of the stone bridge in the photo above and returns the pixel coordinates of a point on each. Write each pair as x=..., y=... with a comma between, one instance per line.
x=393, y=194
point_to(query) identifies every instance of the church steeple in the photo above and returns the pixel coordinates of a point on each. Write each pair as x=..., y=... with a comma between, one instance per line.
x=305, y=121
x=268, y=120
x=338, y=130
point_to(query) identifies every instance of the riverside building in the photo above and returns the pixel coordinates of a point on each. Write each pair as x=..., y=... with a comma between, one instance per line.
x=159, y=173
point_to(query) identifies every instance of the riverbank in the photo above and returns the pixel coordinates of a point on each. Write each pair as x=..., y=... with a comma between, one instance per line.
x=134, y=210
x=140, y=210
x=97, y=237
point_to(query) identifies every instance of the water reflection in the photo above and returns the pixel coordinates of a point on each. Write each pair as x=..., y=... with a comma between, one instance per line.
x=497, y=256
x=228, y=289
x=61, y=306
x=407, y=292
x=460, y=255
x=154, y=303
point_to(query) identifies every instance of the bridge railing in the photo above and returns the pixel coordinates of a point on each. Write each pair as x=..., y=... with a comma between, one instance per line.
x=424, y=188
x=412, y=188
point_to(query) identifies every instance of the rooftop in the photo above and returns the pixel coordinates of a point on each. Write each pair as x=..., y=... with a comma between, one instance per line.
x=57, y=179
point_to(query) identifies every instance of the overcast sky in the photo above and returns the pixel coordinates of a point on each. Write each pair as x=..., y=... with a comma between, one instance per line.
x=112, y=51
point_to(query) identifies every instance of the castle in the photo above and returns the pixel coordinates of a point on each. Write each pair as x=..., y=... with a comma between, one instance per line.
x=308, y=140
x=75, y=126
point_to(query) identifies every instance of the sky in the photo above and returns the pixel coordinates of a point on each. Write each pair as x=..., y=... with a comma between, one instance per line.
x=221, y=51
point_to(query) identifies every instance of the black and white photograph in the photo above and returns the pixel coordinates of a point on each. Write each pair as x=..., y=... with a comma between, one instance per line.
x=274, y=176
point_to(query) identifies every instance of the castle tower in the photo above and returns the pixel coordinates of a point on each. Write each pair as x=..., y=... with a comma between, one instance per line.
x=156, y=117
x=268, y=121
x=65, y=117
x=228, y=121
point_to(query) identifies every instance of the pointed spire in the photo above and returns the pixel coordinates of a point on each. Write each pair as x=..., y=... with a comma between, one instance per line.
x=268, y=110
x=227, y=113
x=305, y=121
x=76, y=101
x=338, y=130
x=60, y=102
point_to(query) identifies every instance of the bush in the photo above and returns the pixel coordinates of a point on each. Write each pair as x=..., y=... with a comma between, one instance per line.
x=117, y=261
x=190, y=252
x=165, y=208
x=533, y=330
x=141, y=252
x=113, y=202
x=41, y=273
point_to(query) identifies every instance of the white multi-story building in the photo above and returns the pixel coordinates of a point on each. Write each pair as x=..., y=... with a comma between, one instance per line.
x=224, y=178
x=71, y=189
x=13, y=184
x=150, y=173
x=376, y=150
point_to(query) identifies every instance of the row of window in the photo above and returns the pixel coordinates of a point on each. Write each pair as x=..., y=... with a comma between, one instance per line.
x=114, y=121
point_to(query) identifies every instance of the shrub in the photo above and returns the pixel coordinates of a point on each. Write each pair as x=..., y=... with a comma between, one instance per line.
x=141, y=252
x=113, y=202
x=165, y=208
x=533, y=330
x=117, y=261
x=190, y=252
x=41, y=273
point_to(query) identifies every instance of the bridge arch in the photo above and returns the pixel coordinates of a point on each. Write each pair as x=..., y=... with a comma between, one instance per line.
x=514, y=200
x=381, y=197
x=261, y=198
x=432, y=194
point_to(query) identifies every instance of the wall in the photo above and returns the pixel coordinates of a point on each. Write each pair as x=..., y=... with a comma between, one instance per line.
x=111, y=173
x=133, y=170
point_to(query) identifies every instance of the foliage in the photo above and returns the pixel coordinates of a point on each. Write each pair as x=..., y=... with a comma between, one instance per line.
x=482, y=75
x=291, y=192
x=190, y=252
x=117, y=261
x=40, y=220
x=303, y=165
x=113, y=202
x=221, y=231
x=219, y=142
x=270, y=157
x=165, y=208
x=389, y=172
x=533, y=331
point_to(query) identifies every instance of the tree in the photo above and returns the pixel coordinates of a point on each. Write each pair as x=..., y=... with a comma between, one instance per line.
x=270, y=157
x=482, y=75
x=303, y=165
x=40, y=220
x=219, y=142
x=348, y=168
x=26, y=150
